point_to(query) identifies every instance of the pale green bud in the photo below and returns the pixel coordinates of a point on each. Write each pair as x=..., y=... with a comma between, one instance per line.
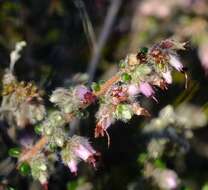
x=124, y=112
x=142, y=70
x=59, y=141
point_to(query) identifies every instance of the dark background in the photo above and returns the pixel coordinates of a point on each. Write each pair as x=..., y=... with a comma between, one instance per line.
x=58, y=47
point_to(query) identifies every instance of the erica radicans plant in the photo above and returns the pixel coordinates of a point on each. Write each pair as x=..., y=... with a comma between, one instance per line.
x=139, y=75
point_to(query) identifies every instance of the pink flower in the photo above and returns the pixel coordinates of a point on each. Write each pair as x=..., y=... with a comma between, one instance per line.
x=168, y=179
x=175, y=62
x=133, y=89
x=167, y=76
x=83, y=150
x=119, y=94
x=105, y=119
x=84, y=94
x=203, y=55
x=78, y=148
x=146, y=89
x=72, y=164
x=80, y=91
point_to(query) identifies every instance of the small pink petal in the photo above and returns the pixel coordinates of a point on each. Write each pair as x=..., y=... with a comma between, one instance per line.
x=82, y=152
x=175, y=62
x=73, y=166
x=169, y=179
x=146, y=89
x=133, y=89
x=203, y=55
x=167, y=76
x=81, y=91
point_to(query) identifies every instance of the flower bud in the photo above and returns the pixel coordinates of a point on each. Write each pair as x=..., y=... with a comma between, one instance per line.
x=166, y=179
x=123, y=112
x=39, y=168
x=126, y=77
x=77, y=148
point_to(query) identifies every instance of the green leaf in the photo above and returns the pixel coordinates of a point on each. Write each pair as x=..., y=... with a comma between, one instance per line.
x=14, y=152
x=38, y=129
x=144, y=50
x=125, y=77
x=24, y=168
x=122, y=64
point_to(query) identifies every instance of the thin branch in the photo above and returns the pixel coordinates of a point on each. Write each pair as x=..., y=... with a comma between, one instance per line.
x=40, y=144
x=108, y=23
x=34, y=150
x=107, y=84
x=96, y=46
x=87, y=25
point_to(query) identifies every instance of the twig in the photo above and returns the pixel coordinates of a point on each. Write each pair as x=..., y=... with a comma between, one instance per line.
x=108, y=23
x=87, y=25
x=68, y=117
x=34, y=150
x=107, y=84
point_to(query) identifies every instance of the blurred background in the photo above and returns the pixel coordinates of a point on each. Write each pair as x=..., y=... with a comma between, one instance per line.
x=66, y=37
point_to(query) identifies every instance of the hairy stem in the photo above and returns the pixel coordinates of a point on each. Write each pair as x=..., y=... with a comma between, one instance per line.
x=34, y=150
x=40, y=144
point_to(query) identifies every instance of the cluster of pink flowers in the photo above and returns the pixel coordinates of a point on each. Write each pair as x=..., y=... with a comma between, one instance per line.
x=139, y=75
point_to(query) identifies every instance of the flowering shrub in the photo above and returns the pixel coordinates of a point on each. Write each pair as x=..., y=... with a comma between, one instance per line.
x=139, y=74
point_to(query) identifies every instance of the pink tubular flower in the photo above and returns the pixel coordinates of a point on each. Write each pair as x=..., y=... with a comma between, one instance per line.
x=146, y=89
x=203, y=55
x=167, y=179
x=133, y=89
x=72, y=164
x=167, y=76
x=104, y=120
x=175, y=62
x=78, y=148
x=80, y=91
x=84, y=94
x=83, y=150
